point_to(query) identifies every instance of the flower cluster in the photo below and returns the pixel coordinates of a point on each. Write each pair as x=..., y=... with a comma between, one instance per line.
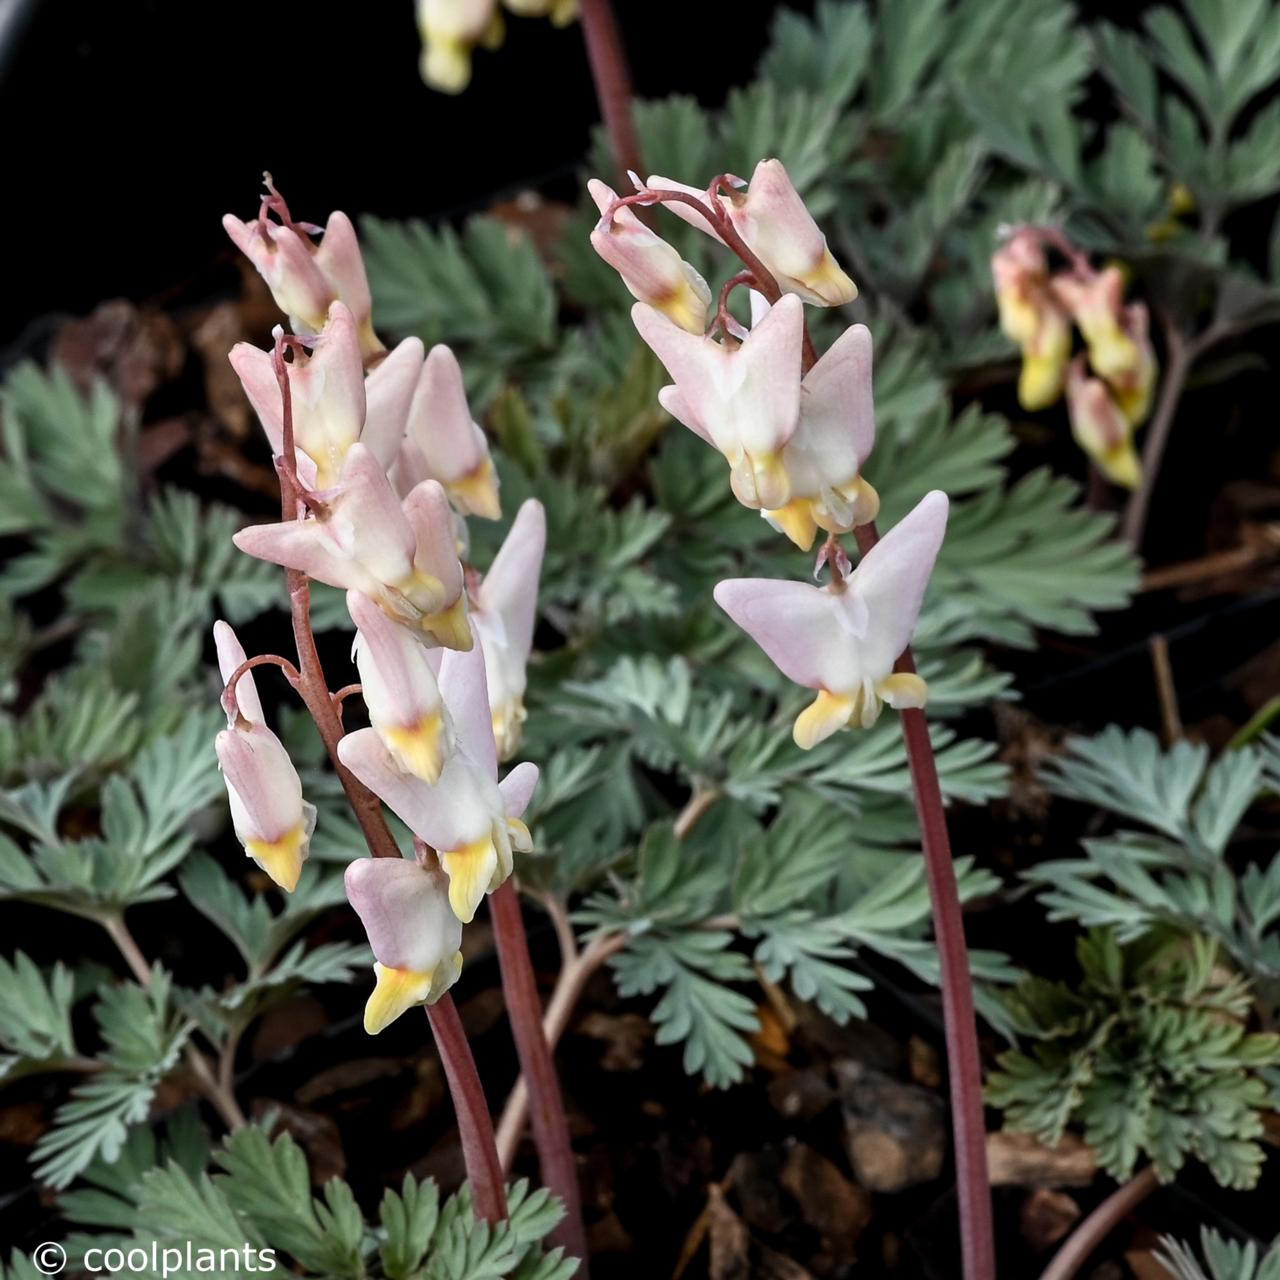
x=794, y=430
x=386, y=466
x=1108, y=385
x=451, y=29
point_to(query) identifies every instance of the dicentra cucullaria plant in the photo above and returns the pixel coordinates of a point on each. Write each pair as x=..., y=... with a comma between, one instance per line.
x=700, y=817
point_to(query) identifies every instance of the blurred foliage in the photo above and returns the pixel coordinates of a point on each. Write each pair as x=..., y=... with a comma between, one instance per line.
x=1223, y=1259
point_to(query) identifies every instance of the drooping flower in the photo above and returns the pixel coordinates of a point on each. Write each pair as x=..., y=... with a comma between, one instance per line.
x=503, y=613
x=445, y=443
x=742, y=398
x=836, y=432
x=415, y=936
x=270, y=817
x=650, y=268
x=468, y=817
x=306, y=279
x=1101, y=428
x=1031, y=316
x=843, y=639
x=398, y=683
x=450, y=29
x=772, y=219
x=401, y=555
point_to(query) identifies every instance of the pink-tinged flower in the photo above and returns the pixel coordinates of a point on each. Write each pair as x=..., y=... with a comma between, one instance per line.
x=742, y=398
x=389, y=392
x=306, y=279
x=843, y=639
x=771, y=217
x=286, y=262
x=399, y=686
x=1096, y=304
x=837, y=430
x=326, y=393
x=414, y=934
x=650, y=268
x=402, y=556
x=1033, y=318
x=1101, y=428
x=270, y=817
x=450, y=29
x=445, y=443
x=468, y=817
x=503, y=613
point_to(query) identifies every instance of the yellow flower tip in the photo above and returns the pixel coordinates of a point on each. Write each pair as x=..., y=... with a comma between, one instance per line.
x=683, y=306
x=445, y=64
x=470, y=870
x=1112, y=353
x=508, y=727
x=495, y=32
x=563, y=12
x=1181, y=199
x=395, y=991
x=829, y=282
x=281, y=859
x=769, y=479
x=476, y=494
x=1135, y=401
x=451, y=627
x=419, y=748
x=825, y=715
x=903, y=689
x=1019, y=319
x=796, y=521
x=370, y=343
x=1121, y=466
x=521, y=837
x=866, y=502
x=1041, y=381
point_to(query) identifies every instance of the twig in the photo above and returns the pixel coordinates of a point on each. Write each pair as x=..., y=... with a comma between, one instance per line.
x=612, y=79
x=964, y=1066
x=1166, y=689
x=221, y=1098
x=1201, y=569
x=475, y=1128
x=1177, y=365
x=524, y=1012
x=1098, y=1225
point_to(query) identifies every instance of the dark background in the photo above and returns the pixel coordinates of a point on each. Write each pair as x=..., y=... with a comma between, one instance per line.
x=131, y=126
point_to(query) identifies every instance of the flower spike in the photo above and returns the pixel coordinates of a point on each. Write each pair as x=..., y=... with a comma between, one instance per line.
x=843, y=640
x=415, y=936
x=270, y=817
x=503, y=617
x=743, y=398
x=650, y=268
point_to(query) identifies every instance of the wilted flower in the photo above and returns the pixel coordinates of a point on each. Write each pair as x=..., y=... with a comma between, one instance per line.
x=772, y=219
x=415, y=936
x=1101, y=427
x=1031, y=316
x=445, y=443
x=843, y=639
x=402, y=556
x=836, y=432
x=270, y=817
x=305, y=279
x=650, y=268
x=450, y=29
x=471, y=820
x=503, y=613
x=742, y=398
x=399, y=686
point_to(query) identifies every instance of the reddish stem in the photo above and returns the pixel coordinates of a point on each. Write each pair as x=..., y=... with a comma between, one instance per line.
x=229, y=703
x=964, y=1065
x=524, y=1011
x=612, y=79
x=475, y=1128
x=1099, y=1224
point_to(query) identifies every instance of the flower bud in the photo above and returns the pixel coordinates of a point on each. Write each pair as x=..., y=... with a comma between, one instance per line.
x=450, y=29
x=1101, y=428
x=400, y=690
x=650, y=268
x=414, y=934
x=445, y=443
